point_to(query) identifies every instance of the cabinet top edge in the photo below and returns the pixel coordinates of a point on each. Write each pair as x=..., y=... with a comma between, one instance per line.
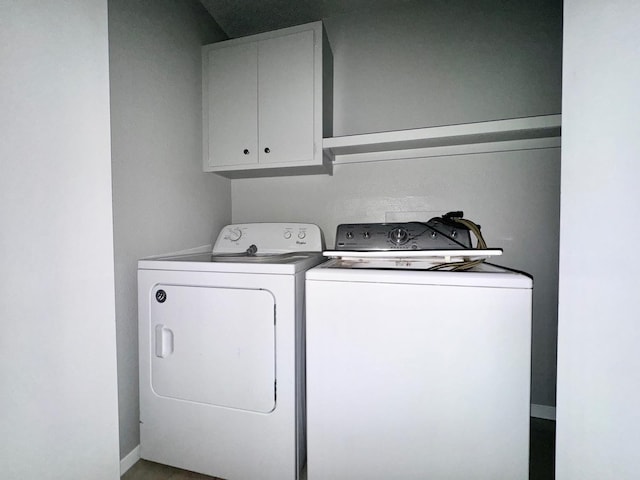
x=317, y=27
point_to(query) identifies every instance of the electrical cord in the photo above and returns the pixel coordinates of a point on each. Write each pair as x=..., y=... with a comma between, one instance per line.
x=438, y=231
x=468, y=264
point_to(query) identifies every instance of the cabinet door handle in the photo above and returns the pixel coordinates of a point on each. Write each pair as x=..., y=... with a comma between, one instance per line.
x=267, y=150
x=246, y=151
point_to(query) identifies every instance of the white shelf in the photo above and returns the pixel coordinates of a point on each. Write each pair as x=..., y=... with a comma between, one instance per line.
x=481, y=137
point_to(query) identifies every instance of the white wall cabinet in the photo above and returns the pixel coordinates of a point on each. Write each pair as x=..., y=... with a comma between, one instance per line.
x=267, y=103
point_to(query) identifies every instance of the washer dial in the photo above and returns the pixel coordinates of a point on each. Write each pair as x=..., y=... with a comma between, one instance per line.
x=398, y=236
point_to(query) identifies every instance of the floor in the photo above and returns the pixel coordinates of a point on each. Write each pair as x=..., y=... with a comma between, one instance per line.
x=541, y=467
x=145, y=470
x=542, y=461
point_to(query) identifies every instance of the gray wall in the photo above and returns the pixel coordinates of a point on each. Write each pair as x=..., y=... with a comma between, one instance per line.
x=598, y=425
x=162, y=201
x=434, y=63
x=58, y=403
x=443, y=62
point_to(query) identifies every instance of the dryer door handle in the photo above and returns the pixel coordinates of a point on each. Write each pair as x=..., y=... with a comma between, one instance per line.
x=164, y=341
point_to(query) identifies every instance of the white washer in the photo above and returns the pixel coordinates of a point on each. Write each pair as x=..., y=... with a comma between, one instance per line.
x=417, y=374
x=222, y=355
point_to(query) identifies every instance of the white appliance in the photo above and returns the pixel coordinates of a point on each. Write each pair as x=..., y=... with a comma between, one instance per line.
x=416, y=374
x=222, y=356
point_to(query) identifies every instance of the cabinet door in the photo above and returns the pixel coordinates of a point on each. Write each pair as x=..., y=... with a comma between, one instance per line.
x=285, y=93
x=233, y=97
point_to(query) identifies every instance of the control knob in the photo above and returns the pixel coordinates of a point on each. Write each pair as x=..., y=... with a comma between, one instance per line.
x=234, y=234
x=399, y=236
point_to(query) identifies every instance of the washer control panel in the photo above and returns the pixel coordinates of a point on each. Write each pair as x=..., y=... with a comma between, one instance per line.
x=269, y=238
x=436, y=234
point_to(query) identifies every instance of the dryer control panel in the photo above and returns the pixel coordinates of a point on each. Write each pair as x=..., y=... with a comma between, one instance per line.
x=269, y=238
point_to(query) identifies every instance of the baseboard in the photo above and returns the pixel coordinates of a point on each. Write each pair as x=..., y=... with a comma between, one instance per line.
x=130, y=460
x=543, y=411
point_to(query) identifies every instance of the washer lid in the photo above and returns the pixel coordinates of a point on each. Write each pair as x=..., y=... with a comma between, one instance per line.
x=483, y=275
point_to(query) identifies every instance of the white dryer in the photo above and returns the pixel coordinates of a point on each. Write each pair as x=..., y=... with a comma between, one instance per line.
x=221, y=338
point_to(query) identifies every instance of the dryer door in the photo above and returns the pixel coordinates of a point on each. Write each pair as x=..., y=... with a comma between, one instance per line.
x=214, y=346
